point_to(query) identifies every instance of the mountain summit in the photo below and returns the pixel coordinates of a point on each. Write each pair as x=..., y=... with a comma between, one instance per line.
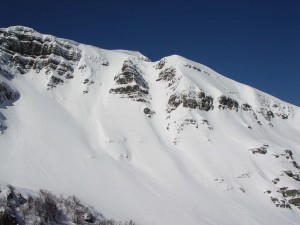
x=166, y=142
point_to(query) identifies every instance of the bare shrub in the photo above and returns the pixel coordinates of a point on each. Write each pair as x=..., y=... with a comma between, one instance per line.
x=75, y=209
x=130, y=223
x=3, y=204
x=46, y=207
x=24, y=210
x=113, y=222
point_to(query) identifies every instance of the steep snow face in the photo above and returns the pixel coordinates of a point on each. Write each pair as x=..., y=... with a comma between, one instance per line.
x=167, y=142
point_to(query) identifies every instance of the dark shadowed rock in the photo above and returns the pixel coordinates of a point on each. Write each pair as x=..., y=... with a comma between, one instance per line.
x=7, y=94
x=193, y=67
x=228, y=103
x=189, y=102
x=289, y=192
x=192, y=100
x=174, y=101
x=149, y=112
x=276, y=180
x=160, y=64
x=288, y=154
x=54, y=81
x=246, y=107
x=295, y=164
x=129, y=83
x=280, y=203
x=295, y=202
x=7, y=219
x=28, y=49
x=168, y=75
x=267, y=114
x=261, y=150
x=296, y=177
x=205, y=102
x=289, y=173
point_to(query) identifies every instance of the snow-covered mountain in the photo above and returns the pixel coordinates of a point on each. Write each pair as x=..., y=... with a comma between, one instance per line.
x=167, y=142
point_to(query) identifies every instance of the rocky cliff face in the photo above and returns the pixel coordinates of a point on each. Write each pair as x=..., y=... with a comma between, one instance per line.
x=28, y=50
x=129, y=83
x=23, y=49
x=8, y=96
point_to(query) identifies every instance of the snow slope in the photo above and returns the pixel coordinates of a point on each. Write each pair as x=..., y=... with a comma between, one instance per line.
x=167, y=142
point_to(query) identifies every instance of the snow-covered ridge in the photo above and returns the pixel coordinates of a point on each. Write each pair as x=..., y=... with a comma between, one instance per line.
x=172, y=138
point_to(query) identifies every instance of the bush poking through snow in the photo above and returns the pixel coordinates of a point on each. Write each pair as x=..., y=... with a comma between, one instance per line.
x=75, y=209
x=45, y=208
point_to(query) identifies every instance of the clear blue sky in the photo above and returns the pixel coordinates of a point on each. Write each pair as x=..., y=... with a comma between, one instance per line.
x=256, y=42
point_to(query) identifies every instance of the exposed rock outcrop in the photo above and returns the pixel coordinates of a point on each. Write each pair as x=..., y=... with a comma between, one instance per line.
x=291, y=195
x=27, y=49
x=228, y=103
x=262, y=150
x=129, y=83
x=168, y=75
x=160, y=64
x=7, y=94
x=193, y=100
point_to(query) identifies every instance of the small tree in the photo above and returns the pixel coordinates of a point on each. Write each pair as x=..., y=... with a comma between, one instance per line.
x=37, y=222
x=75, y=209
x=24, y=210
x=51, y=210
x=38, y=206
x=130, y=223
x=46, y=207
x=30, y=202
x=3, y=204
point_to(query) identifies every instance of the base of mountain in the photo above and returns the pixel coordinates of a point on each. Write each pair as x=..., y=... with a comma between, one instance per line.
x=45, y=208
